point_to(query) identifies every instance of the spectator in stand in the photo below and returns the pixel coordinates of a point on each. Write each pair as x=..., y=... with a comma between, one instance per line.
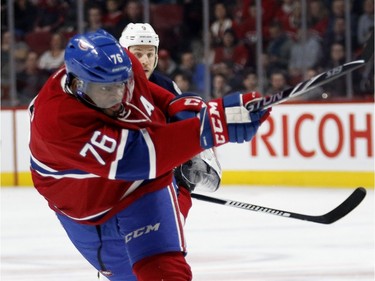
x=336, y=35
x=279, y=47
x=112, y=16
x=53, y=58
x=287, y=15
x=50, y=16
x=317, y=17
x=24, y=16
x=245, y=24
x=69, y=27
x=132, y=12
x=250, y=82
x=194, y=70
x=183, y=82
x=221, y=23
x=30, y=80
x=304, y=54
x=234, y=79
x=220, y=86
x=246, y=29
x=265, y=61
x=94, y=19
x=233, y=51
x=187, y=63
x=20, y=53
x=20, y=49
x=366, y=22
x=166, y=64
x=338, y=11
x=284, y=10
x=278, y=83
x=336, y=88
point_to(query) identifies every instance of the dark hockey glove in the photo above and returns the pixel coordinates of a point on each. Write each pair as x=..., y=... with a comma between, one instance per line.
x=227, y=120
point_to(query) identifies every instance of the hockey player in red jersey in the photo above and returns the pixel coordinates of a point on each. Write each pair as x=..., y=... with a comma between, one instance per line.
x=102, y=158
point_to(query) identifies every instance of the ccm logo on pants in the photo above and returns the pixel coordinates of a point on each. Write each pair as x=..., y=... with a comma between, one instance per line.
x=141, y=231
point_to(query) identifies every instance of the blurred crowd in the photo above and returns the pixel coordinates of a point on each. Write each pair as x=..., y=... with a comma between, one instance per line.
x=42, y=28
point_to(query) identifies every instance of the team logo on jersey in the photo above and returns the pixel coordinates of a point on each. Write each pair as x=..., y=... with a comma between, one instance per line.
x=83, y=45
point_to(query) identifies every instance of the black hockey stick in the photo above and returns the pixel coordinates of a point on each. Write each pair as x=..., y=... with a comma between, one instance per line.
x=342, y=210
x=316, y=81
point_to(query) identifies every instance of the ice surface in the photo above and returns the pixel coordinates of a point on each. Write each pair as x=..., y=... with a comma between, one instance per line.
x=224, y=243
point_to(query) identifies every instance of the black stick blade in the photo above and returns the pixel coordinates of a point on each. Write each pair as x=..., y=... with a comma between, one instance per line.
x=339, y=212
x=344, y=208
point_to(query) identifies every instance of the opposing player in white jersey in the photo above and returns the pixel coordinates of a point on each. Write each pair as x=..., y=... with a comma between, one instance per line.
x=202, y=172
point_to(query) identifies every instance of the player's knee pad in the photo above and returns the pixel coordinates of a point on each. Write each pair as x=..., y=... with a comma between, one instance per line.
x=164, y=267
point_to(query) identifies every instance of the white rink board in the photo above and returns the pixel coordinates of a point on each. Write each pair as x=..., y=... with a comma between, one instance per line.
x=296, y=130
x=317, y=137
x=7, y=141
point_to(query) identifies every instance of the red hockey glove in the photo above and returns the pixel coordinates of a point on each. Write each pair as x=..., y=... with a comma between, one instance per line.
x=227, y=120
x=185, y=106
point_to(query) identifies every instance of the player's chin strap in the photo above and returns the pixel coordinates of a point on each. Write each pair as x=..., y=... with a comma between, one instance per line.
x=201, y=173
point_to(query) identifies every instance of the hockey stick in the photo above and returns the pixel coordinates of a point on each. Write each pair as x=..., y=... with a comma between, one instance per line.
x=316, y=81
x=342, y=210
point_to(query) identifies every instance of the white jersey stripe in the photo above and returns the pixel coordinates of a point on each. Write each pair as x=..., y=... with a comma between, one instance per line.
x=119, y=154
x=85, y=218
x=177, y=217
x=151, y=152
x=46, y=171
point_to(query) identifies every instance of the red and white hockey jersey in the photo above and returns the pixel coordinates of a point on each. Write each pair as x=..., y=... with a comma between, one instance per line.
x=88, y=165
